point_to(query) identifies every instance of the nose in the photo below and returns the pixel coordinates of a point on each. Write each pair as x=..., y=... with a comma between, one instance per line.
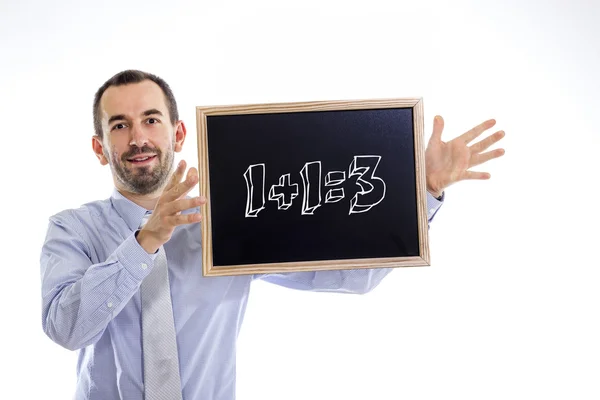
x=138, y=136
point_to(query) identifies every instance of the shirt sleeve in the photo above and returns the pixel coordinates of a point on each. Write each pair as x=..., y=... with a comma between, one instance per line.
x=80, y=298
x=355, y=281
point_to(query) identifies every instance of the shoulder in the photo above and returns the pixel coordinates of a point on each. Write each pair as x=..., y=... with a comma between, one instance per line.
x=78, y=218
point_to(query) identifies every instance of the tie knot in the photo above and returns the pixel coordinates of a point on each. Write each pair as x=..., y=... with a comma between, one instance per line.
x=145, y=218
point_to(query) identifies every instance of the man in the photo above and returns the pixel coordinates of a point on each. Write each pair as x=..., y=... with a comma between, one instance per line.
x=95, y=258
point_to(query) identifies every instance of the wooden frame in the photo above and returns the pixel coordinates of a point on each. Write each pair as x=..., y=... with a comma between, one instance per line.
x=208, y=269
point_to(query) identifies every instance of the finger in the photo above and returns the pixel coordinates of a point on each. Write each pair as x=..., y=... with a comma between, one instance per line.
x=487, y=142
x=183, y=204
x=476, y=131
x=176, y=178
x=182, y=219
x=183, y=188
x=476, y=175
x=485, y=157
x=180, y=190
x=438, y=127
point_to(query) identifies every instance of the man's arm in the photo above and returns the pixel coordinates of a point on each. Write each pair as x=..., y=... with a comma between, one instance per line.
x=80, y=298
x=357, y=281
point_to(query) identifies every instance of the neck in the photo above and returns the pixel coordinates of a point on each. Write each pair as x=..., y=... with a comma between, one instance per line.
x=147, y=201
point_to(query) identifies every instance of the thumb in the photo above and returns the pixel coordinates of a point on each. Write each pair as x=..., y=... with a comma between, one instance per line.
x=438, y=127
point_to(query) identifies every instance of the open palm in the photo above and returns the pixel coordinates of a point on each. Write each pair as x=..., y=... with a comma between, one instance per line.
x=449, y=162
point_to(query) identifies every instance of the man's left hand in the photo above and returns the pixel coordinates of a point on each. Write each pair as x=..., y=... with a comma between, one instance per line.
x=448, y=162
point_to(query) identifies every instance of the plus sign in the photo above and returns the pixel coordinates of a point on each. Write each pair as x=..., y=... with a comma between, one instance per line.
x=284, y=193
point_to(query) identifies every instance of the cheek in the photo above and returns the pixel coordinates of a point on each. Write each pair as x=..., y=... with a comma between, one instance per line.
x=165, y=145
x=117, y=149
x=115, y=154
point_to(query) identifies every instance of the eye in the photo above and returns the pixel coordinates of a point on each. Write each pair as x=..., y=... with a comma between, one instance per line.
x=152, y=121
x=118, y=126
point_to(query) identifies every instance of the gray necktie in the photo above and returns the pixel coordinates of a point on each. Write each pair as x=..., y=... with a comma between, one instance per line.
x=161, y=361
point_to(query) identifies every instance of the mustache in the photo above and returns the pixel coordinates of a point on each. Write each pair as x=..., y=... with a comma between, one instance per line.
x=134, y=151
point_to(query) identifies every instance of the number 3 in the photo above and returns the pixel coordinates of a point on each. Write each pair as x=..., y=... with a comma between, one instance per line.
x=364, y=167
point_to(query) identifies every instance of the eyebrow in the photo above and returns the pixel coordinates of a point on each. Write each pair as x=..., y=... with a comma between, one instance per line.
x=119, y=117
x=152, y=111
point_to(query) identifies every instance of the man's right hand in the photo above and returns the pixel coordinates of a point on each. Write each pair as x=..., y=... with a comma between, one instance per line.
x=167, y=213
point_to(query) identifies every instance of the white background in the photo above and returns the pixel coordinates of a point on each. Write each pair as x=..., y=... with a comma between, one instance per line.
x=509, y=308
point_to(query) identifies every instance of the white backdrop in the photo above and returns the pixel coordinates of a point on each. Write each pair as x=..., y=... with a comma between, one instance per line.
x=509, y=307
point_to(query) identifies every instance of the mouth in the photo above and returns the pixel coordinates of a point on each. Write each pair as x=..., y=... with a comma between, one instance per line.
x=142, y=159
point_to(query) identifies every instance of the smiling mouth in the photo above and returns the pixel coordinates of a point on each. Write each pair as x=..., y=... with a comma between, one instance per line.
x=141, y=159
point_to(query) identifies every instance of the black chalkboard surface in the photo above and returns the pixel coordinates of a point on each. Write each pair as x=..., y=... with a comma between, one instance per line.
x=311, y=186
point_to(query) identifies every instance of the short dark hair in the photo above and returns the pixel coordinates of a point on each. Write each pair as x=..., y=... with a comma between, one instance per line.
x=133, y=76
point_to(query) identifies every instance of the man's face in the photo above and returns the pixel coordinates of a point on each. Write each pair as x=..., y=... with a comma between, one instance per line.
x=139, y=139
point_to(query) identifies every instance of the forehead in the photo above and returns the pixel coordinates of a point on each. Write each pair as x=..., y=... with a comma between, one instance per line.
x=132, y=99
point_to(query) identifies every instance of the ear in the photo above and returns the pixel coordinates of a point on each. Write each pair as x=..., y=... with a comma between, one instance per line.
x=180, y=133
x=99, y=149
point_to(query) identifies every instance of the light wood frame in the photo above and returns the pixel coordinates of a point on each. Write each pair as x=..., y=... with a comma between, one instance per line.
x=208, y=269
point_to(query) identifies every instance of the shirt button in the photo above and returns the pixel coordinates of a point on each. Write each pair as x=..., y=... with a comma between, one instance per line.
x=431, y=210
x=144, y=265
x=109, y=305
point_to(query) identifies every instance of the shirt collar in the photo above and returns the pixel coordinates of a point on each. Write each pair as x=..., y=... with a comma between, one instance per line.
x=131, y=213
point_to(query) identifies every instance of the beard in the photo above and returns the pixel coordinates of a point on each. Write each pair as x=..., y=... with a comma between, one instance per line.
x=142, y=180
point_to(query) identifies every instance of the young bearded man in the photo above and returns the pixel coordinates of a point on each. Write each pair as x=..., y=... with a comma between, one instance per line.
x=96, y=258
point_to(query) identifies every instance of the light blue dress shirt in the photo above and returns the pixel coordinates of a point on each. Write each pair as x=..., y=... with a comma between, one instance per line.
x=91, y=270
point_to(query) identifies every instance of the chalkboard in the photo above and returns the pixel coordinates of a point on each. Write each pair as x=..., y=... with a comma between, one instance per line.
x=312, y=186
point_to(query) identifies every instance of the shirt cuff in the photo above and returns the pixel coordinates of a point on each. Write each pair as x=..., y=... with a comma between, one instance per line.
x=433, y=204
x=134, y=258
